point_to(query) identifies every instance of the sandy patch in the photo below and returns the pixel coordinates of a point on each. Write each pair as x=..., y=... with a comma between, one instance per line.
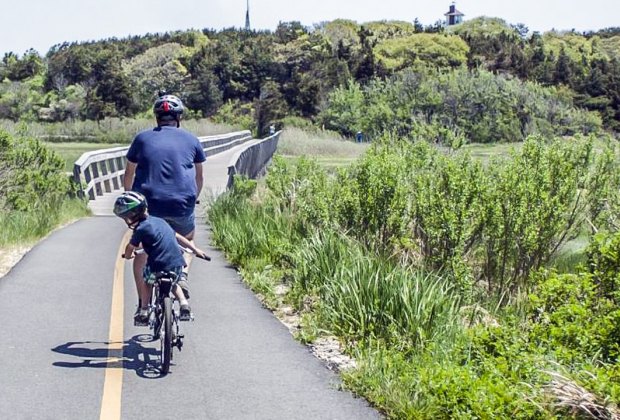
x=9, y=256
x=326, y=348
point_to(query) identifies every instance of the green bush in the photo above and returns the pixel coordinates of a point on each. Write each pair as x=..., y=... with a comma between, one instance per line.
x=579, y=314
x=35, y=192
x=496, y=222
x=360, y=252
x=31, y=174
x=480, y=106
x=441, y=385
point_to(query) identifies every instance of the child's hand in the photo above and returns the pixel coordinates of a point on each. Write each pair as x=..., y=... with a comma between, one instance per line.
x=201, y=254
x=128, y=256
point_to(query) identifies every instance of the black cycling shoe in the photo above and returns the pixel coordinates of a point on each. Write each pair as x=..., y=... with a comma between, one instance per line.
x=184, y=284
x=141, y=318
x=185, y=313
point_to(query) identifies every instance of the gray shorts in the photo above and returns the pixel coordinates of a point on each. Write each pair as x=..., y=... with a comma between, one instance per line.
x=183, y=225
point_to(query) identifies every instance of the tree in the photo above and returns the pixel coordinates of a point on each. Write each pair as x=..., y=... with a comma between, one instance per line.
x=270, y=107
x=563, y=72
x=155, y=69
x=203, y=90
x=289, y=31
x=17, y=69
x=366, y=67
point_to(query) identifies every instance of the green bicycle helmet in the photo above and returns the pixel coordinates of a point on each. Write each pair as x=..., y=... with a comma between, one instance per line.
x=130, y=205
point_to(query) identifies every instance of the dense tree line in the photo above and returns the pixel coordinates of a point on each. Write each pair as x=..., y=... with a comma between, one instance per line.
x=293, y=70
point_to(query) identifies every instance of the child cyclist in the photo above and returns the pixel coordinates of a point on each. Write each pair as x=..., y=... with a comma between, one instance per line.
x=161, y=244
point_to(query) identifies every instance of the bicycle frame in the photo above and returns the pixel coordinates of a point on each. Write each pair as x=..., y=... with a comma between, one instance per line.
x=165, y=320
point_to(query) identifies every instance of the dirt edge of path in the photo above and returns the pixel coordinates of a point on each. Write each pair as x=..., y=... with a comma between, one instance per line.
x=11, y=255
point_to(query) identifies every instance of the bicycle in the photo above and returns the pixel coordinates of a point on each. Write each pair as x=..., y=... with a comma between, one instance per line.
x=164, y=315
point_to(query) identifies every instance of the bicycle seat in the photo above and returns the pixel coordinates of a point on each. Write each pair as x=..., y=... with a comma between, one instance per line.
x=171, y=275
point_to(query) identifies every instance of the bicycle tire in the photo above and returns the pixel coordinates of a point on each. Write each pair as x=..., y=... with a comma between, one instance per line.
x=166, y=336
x=156, y=312
x=157, y=322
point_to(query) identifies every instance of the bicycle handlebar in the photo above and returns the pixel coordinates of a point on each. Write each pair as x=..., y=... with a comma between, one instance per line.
x=202, y=257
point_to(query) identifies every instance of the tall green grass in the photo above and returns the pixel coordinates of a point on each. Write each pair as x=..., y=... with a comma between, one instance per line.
x=19, y=227
x=365, y=296
x=361, y=296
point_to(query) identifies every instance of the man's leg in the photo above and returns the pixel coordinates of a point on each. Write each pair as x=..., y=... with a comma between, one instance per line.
x=185, y=226
x=183, y=304
x=183, y=282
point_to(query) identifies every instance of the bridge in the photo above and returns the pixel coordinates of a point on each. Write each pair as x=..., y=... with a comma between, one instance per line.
x=100, y=173
x=70, y=349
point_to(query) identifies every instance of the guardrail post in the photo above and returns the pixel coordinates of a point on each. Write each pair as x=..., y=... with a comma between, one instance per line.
x=104, y=172
x=113, y=170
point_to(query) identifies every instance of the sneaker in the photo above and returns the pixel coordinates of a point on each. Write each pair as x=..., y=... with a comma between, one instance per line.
x=186, y=312
x=184, y=284
x=141, y=318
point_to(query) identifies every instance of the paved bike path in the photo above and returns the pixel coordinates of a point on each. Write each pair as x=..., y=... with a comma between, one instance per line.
x=239, y=361
x=58, y=295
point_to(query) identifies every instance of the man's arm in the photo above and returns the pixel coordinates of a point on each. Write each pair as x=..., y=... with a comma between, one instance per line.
x=130, y=173
x=199, y=178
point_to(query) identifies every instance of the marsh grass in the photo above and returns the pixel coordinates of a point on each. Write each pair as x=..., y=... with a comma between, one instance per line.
x=419, y=353
x=71, y=151
x=297, y=142
x=26, y=227
x=109, y=130
x=486, y=152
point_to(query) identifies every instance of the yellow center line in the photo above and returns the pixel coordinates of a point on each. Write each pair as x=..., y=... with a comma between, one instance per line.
x=113, y=383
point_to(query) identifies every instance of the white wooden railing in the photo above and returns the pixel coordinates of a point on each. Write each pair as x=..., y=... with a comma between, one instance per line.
x=102, y=171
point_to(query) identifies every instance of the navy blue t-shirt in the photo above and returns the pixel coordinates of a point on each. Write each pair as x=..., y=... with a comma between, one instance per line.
x=159, y=242
x=166, y=174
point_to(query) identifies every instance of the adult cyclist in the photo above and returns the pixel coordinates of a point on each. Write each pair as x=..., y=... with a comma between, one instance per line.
x=165, y=165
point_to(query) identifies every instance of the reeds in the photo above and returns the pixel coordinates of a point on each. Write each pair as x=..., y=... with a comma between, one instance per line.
x=108, y=130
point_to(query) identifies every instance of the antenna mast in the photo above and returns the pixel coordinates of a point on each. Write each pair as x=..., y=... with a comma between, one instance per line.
x=247, y=17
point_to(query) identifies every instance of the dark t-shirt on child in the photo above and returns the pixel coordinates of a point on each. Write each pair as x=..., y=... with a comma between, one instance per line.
x=166, y=172
x=160, y=244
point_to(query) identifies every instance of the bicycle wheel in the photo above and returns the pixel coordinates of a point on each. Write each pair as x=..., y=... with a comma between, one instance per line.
x=166, y=336
x=156, y=312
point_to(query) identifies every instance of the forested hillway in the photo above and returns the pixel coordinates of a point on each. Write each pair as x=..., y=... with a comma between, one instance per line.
x=71, y=351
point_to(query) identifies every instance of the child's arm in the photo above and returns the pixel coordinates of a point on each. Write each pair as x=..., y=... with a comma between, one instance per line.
x=129, y=249
x=185, y=243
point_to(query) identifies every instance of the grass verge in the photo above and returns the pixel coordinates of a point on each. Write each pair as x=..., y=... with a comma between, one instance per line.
x=25, y=227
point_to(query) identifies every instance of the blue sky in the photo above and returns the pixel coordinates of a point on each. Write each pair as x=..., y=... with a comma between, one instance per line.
x=39, y=24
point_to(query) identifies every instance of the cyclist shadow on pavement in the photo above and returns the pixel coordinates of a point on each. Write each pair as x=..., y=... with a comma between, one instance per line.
x=145, y=361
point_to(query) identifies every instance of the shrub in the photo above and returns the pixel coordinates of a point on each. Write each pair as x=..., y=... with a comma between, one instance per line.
x=35, y=192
